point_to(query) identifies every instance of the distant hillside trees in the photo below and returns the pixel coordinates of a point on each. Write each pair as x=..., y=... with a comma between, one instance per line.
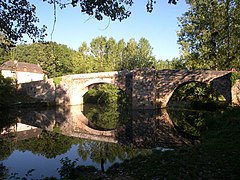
x=102, y=54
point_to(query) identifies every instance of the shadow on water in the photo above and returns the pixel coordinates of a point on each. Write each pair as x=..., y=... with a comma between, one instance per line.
x=54, y=132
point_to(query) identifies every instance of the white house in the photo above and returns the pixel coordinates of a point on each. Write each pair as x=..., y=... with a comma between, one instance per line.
x=21, y=71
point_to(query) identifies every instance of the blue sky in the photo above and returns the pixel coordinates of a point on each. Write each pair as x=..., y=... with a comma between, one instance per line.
x=159, y=27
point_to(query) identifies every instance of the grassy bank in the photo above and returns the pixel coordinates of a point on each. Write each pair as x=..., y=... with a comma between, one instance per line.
x=216, y=157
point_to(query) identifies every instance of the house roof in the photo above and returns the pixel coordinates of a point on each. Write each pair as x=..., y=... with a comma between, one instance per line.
x=21, y=67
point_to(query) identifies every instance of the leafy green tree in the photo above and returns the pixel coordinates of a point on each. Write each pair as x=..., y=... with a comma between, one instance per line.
x=112, y=54
x=102, y=55
x=198, y=95
x=146, y=58
x=18, y=18
x=58, y=59
x=4, y=55
x=114, y=9
x=138, y=55
x=55, y=59
x=120, y=54
x=131, y=55
x=7, y=89
x=83, y=60
x=209, y=35
x=177, y=63
x=98, y=49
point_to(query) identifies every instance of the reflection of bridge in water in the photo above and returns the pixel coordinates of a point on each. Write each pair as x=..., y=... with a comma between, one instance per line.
x=147, y=129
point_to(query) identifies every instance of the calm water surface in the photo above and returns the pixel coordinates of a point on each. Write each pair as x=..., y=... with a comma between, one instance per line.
x=39, y=139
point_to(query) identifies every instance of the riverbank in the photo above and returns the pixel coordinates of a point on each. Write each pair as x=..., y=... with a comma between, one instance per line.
x=216, y=157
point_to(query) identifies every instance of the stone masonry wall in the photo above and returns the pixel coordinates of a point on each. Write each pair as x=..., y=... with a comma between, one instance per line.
x=223, y=85
x=143, y=89
x=167, y=81
x=147, y=88
x=41, y=90
x=236, y=94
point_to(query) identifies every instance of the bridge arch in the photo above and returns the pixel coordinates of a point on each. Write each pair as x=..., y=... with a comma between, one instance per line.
x=82, y=89
x=180, y=85
x=86, y=85
x=168, y=81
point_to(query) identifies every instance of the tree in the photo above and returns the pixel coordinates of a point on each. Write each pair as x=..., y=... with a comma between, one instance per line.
x=19, y=17
x=7, y=89
x=98, y=49
x=209, y=35
x=48, y=144
x=131, y=55
x=146, y=58
x=83, y=61
x=55, y=59
x=114, y=9
x=120, y=54
x=138, y=55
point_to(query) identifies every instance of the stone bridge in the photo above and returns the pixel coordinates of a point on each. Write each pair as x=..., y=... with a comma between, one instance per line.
x=147, y=88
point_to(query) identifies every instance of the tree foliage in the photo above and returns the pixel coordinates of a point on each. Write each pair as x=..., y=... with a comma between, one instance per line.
x=209, y=35
x=7, y=89
x=114, y=9
x=17, y=19
x=49, y=144
x=55, y=59
x=102, y=54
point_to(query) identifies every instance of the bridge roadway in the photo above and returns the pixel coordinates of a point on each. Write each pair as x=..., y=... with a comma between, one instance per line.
x=147, y=88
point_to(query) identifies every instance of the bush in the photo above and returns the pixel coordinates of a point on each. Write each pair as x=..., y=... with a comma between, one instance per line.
x=7, y=89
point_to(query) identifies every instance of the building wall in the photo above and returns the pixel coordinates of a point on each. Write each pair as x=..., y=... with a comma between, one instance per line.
x=23, y=77
x=7, y=73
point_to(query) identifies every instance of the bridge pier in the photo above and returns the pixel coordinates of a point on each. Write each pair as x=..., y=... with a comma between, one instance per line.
x=143, y=89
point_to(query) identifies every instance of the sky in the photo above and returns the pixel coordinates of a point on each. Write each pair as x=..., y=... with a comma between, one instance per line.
x=159, y=27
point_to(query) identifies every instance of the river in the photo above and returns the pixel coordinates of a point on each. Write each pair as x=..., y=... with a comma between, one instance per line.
x=35, y=143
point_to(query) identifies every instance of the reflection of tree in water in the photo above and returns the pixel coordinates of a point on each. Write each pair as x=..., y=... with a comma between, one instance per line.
x=7, y=119
x=101, y=152
x=3, y=172
x=48, y=144
x=102, y=117
x=190, y=122
x=197, y=95
x=107, y=104
x=6, y=148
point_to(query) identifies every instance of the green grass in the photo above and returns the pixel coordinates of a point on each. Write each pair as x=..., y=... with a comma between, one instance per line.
x=217, y=157
x=57, y=80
